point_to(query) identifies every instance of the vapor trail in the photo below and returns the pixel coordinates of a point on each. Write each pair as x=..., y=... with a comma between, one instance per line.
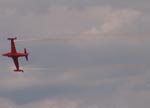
x=89, y=36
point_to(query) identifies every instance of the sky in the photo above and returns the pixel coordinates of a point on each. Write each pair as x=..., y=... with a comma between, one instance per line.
x=82, y=53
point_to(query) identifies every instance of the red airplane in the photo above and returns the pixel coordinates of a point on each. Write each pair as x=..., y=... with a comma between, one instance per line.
x=14, y=54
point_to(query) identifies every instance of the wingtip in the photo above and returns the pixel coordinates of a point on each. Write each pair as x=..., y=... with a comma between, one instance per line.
x=18, y=70
x=12, y=38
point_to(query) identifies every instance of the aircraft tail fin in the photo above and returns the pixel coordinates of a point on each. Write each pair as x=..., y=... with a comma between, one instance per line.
x=25, y=51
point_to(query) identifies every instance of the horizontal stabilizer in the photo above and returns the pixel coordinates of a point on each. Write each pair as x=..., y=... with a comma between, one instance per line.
x=25, y=51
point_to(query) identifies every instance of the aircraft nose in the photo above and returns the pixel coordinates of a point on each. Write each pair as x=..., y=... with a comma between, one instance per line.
x=5, y=54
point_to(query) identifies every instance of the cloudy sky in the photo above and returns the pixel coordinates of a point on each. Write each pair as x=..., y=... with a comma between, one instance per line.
x=82, y=53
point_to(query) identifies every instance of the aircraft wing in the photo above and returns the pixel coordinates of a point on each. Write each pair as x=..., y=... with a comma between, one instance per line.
x=13, y=47
x=15, y=59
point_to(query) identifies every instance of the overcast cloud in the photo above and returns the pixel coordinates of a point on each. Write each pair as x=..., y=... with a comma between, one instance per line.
x=83, y=53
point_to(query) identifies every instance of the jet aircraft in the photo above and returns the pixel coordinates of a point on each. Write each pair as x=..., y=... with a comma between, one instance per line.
x=14, y=54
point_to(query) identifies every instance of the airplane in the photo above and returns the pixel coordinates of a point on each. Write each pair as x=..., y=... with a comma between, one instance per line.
x=14, y=54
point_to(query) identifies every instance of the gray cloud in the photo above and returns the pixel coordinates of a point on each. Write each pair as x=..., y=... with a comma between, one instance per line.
x=91, y=67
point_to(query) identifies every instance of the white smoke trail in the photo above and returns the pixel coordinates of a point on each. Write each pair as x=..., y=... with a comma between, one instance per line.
x=138, y=37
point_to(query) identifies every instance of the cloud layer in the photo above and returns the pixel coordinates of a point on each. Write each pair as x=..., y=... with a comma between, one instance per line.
x=82, y=53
